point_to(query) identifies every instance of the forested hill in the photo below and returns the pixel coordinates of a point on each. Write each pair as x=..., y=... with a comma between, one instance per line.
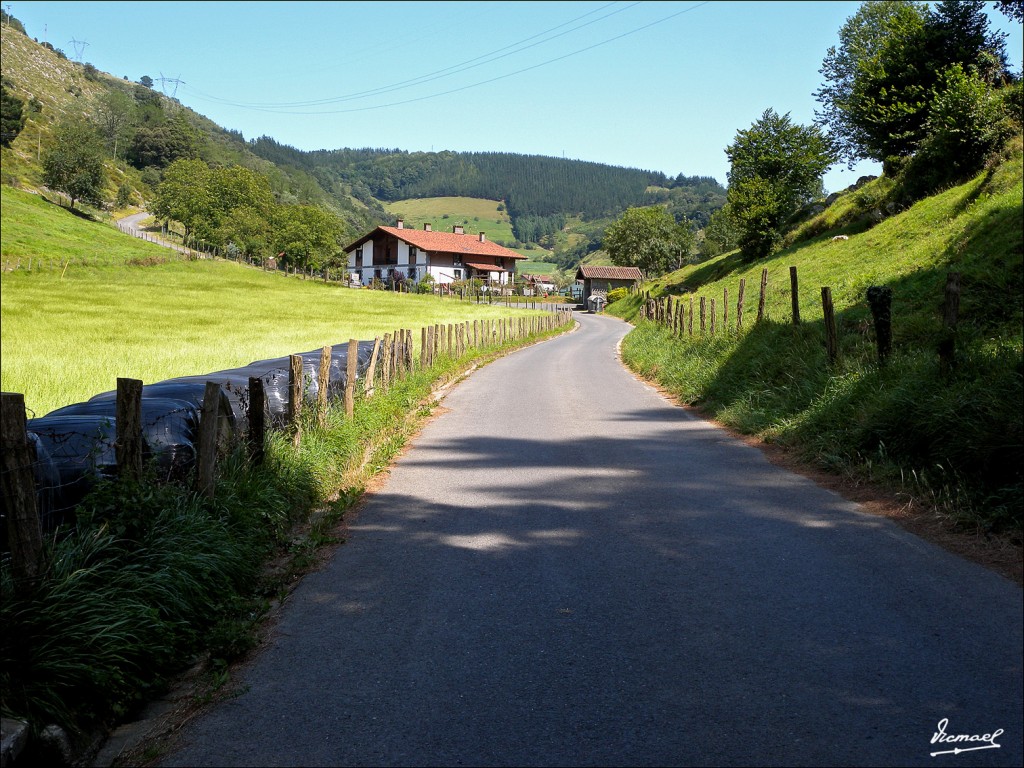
x=530, y=185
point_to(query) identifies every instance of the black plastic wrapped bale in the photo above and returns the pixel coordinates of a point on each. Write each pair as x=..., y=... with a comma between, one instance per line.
x=192, y=389
x=81, y=449
x=276, y=374
x=170, y=429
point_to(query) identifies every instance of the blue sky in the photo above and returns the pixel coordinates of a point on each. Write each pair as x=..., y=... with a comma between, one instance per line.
x=662, y=86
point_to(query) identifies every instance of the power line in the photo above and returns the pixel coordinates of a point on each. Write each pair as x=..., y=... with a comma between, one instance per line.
x=488, y=81
x=438, y=74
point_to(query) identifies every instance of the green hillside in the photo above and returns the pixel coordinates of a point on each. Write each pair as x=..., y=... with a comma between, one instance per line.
x=956, y=440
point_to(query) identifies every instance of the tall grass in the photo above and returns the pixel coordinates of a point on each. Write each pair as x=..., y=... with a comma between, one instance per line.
x=957, y=441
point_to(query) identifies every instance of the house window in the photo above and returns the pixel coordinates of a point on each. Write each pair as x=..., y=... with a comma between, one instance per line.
x=458, y=274
x=359, y=257
x=412, y=273
x=412, y=253
x=458, y=261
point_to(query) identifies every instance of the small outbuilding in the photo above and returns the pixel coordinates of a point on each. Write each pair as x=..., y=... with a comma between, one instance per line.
x=601, y=280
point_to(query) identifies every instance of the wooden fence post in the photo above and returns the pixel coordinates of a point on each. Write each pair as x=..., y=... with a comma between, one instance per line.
x=950, y=317
x=371, y=372
x=725, y=308
x=831, y=338
x=385, y=374
x=739, y=304
x=352, y=359
x=257, y=419
x=795, y=295
x=324, y=379
x=690, y=321
x=423, y=346
x=18, y=489
x=128, y=424
x=295, y=394
x=764, y=289
x=703, y=315
x=880, y=301
x=209, y=419
x=713, y=314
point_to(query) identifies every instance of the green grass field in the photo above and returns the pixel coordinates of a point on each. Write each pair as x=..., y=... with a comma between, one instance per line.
x=530, y=267
x=68, y=334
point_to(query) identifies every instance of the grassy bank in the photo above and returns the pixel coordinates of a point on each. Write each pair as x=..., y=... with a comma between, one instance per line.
x=952, y=441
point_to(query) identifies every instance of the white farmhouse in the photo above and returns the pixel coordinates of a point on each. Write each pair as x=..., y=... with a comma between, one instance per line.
x=399, y=253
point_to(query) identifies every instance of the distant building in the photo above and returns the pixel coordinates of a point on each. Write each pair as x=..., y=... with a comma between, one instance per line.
x=601, y=280
x=539, y=284
x=398, y=253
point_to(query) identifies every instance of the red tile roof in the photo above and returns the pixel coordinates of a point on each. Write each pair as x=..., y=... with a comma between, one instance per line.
x=486, y=267
x=443, y=242
x=609, y=273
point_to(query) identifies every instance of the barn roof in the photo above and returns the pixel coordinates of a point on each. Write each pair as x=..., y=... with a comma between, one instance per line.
x=586, y=272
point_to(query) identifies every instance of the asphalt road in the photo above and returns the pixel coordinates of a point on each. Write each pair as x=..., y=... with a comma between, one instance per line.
x=566, y=569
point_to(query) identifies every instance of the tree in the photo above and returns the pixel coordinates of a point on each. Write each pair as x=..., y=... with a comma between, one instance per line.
x=251, y=230
x=720, y=235
x=185, y=195
x=113, y=112
x=12, y=116
x=146, y=81
x=649, y=238
x=967, y=121
x=161, y=144
x=243, y=208
x=776, y=168
x=1012, y=9
x=860, y=41
x=308, y=236
x=74, y=163
x=881, y=80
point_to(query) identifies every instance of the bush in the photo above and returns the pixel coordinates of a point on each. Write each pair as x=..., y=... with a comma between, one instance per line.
x=426, y=284
x=967, y=122
x=124, y=196
x=617, y=293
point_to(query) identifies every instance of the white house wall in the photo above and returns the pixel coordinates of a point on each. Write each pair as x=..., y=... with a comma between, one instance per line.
x=367, y=249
